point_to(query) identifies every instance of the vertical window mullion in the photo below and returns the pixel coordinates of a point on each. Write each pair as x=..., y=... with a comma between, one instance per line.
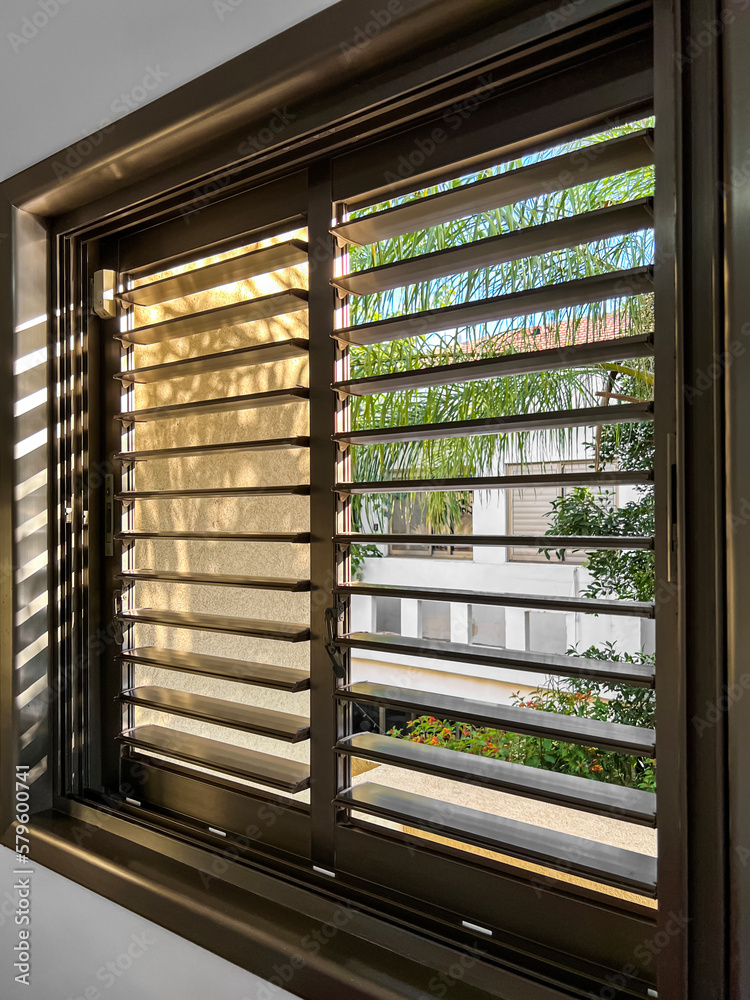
x=326, y=770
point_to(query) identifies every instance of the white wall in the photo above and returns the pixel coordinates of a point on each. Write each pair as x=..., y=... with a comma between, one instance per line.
x=83, y=947
x=82, y=64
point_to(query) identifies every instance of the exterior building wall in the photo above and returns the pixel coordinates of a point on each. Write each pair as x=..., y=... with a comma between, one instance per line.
x=492, y=570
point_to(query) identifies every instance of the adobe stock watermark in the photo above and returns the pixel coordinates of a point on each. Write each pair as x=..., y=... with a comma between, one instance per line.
x=708, y=32
x=224, y=7
x=716, y=709
x=364, y=34
x=22, y=885
x=706, y=377
x=32, y=24
x=256, y=142
x=441, y=984
x=453, y=118
x=111, y=972
x=267, y=815
x=72, y=158
x=310, y=945
x=556, y=18
x=644, y=954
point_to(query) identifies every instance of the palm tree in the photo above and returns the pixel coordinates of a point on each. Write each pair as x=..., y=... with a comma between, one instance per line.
x=561, y=389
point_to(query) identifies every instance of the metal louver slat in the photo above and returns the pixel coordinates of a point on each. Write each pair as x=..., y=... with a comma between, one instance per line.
x=256, y=354
x=533, y=541
x=273, y=444
x=608, y=671
x=580, y=605
x=223, y=272
x=611, y=865
x=234, y=715
x=294, y=537
x=132, y=576
x=600, y=224
x=235, y=314
x=132, y=496
x=228, y=404
x=556, y=173
x=629, y=804
x=616, y=478
x=565, y=356
x=548, y=725
x=579, y=291
x=215, y=623
x=221, y=667
x=500, y=425
x=266, y=769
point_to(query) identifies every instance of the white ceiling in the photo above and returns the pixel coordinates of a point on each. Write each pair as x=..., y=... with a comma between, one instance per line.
x=66, y=65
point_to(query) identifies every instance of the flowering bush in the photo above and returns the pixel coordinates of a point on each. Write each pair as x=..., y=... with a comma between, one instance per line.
x=623, y=704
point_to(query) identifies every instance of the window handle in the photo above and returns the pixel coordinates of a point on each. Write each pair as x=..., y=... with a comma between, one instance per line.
x=334, y=615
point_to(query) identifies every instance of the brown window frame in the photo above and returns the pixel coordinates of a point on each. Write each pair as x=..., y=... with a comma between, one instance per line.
x=170, y=171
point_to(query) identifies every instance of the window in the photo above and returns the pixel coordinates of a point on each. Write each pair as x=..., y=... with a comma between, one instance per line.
x=215, y=552
x=209, y=492
x=408, y=519
x=388, y=615
x=215, y=548
x=469, y=315
x=531, y=510
x=487, y=625
x=435, y=620
x=215, y=567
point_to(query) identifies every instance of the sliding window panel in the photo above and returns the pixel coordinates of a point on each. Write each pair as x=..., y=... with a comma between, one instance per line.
x=209, y=530
x=499, y=333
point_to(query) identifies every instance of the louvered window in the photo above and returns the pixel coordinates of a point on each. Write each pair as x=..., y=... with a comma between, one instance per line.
x=207, y=521
x=215, y=571
x=363, y=473
x=486, y=320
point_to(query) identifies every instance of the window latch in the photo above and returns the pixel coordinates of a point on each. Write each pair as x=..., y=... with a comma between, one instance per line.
x=334, y=615
x=105, y=301
x=118, y=632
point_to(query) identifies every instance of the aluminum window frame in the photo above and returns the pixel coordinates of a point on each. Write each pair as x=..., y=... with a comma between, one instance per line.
x=688, y=101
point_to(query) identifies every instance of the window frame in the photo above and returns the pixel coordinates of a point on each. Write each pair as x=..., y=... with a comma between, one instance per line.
x=402, y=549
x=272, y=823
x=115, y=836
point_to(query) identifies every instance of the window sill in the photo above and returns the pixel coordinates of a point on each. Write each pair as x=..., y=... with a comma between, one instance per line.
x=306, y=941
